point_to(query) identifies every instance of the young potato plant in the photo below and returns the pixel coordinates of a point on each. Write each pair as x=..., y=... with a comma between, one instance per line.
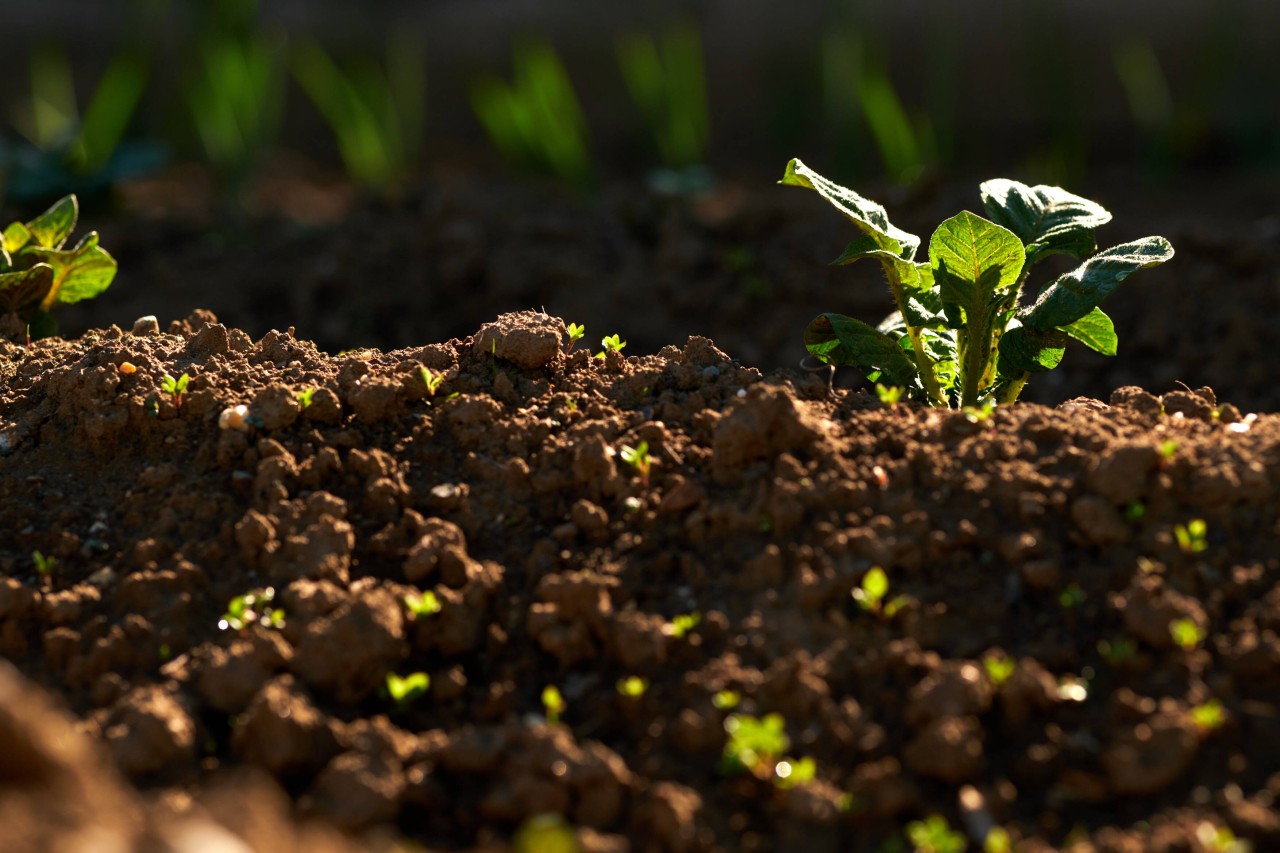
x=38, y=273
x=960, y=336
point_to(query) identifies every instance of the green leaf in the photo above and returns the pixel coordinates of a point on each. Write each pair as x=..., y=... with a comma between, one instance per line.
x=1074, y=294
x=51, y=228
x=1027, y=350
x=1096, y=331
x=79, y=273
x=837, y=339
x=23, y=288
x=16, y=236
x=1049, y=220
x=870, y=217
x=973, y=260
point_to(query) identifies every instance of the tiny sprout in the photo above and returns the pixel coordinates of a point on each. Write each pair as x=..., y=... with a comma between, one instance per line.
x=425, y=604
x=44, y=565
x=1186, y=633
x=1209, y=716
x=790, y=772
x=253, y=606
x=997, y=841
x=304, y=397
x=404, y=690
x=1071, y=597
x=612, y=342
x=755, y=744
x=682, y=624
x=870, y=594
x=998, y=668
x=545, y=833
x=1135, y=511
x=639, y=458
x=1168, y=448
x=1191, y=536
x=935, y=835
x=432, y=379
x=725, y=700
x=553, y=703
x=576, y=333
x=633, y=686
x=889, y=395
x=175, y=387
x=980, y=413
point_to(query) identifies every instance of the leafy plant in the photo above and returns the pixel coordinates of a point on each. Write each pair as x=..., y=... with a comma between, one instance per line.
x=960, y=335
x=553, y=703
x=611, y=343
x=1191, y=537
x=175, y=388
x=935, y=835
x=872, y=591
x=535, y=121
x=425, y=604
x=37, y=274
x=666, y=82
x=404, y=690
x=639, y=458
x=44, y=565
x=254, y=606
x=576, y=333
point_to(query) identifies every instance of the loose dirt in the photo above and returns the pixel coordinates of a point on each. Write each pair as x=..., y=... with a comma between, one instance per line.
x=1063, y=651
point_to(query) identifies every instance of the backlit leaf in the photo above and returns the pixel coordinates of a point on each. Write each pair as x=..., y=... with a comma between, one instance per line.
x=1074, y=294
x=1096, y=331
x=1049, y=220
x=51, y=228
x=837, y=339
x=973, y=260
x=870, y=217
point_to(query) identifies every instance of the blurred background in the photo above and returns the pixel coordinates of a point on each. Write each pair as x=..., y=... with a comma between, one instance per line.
x=392, y=173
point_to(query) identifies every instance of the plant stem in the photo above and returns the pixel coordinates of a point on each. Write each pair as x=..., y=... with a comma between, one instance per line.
x=928, y=373
x=975, y=356
x=1009, y=394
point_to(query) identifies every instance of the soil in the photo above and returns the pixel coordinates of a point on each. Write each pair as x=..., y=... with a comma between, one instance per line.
x=1062, y=658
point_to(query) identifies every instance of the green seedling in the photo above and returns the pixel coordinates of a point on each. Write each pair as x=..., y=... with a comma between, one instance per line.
x=791, y=773
x=425, y=604
x=612, y=343
x=431, y=379
x=758, y=745
x=871, y=594
x=553, y=703
x=1167, y=449
x=960, y=335
x=682, y=624
x=305, y=397
x=1191, y=536
x=935, y=835
x=1210, y=716
x=576, y=333
x=404, y=690
x=997, y=841
x=999, y=668
x=1071, y=597
x=726, y=700
x=666, y=82
x=1187, y=635
x=546, y=833
x=175, y=388
x=37, y=272
x=1135, y=511
x=889, y=394
x=633, y=686
x=639, y=458
x=254, y=607
x=44, y=565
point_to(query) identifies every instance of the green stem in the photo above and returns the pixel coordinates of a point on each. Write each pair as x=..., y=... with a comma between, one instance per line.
x=1011, y=391
x=974, y=358
x=924, y=364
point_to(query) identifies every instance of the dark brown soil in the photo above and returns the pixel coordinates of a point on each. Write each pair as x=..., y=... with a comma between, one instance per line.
x=1048, y=538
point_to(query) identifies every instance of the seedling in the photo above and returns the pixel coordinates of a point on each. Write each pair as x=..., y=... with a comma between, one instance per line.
x=758, y=745
x=1210, y=716
x=726, y=700
x=682, y=624
x=252, y=607
x=790, y=772
x=576, y=333
x=999, y=668
x=935, y=835
x=425, y=604
x=1187, y=635
x=305, y=397
x=1191, y=536
x=997, y=841
x=960, y=335
x=404, y=690
x=1168, y=448
x=1135, y=511
x=639, y=458
x=545, y=833
x=431, y=379
x=871, y=593
x=175, y=388
x=553, y=703
x=889, y=394
x=37, y=274
x=633, y=686
x=44, y=565
x=612, y=343
x=1071, y=597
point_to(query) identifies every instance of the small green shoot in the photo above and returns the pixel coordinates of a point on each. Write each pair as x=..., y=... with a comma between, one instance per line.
x=1209, y=716
x=999, y=668
x=1168, y=448
x=252, y=607
x=871, y=593
x=553, y=703
x=1191, y=536
x=421, y=605
x=755, y=744
x=791, y=773
x=997, y=841
x=44, y=565
x=576, y=333
x=305, y=397
x=545, y=833
x=640, y=459
x=612, y=343
x=404, y=690
x=1135, y=511
x=682, y=624
x=1187, y=635
x=935, y=835
x=1071, y=597
x=175, y=388
x=889, y=394
x=726, y=700
x=432, y=380
x=960, y=336
x=633, y=686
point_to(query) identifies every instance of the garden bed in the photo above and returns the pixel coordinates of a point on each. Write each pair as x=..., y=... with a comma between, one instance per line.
x=1078, y=639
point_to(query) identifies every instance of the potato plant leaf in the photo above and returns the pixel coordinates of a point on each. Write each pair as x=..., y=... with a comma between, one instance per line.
x=1049, y=220
x=837, y=339
x=51, y=228
x=16, y=235
x=973, y=260
x=870, y=217
x=79, y=273
x=1074, y=294
x=1096, y=331
x=1027, y=350
x=21, y=288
